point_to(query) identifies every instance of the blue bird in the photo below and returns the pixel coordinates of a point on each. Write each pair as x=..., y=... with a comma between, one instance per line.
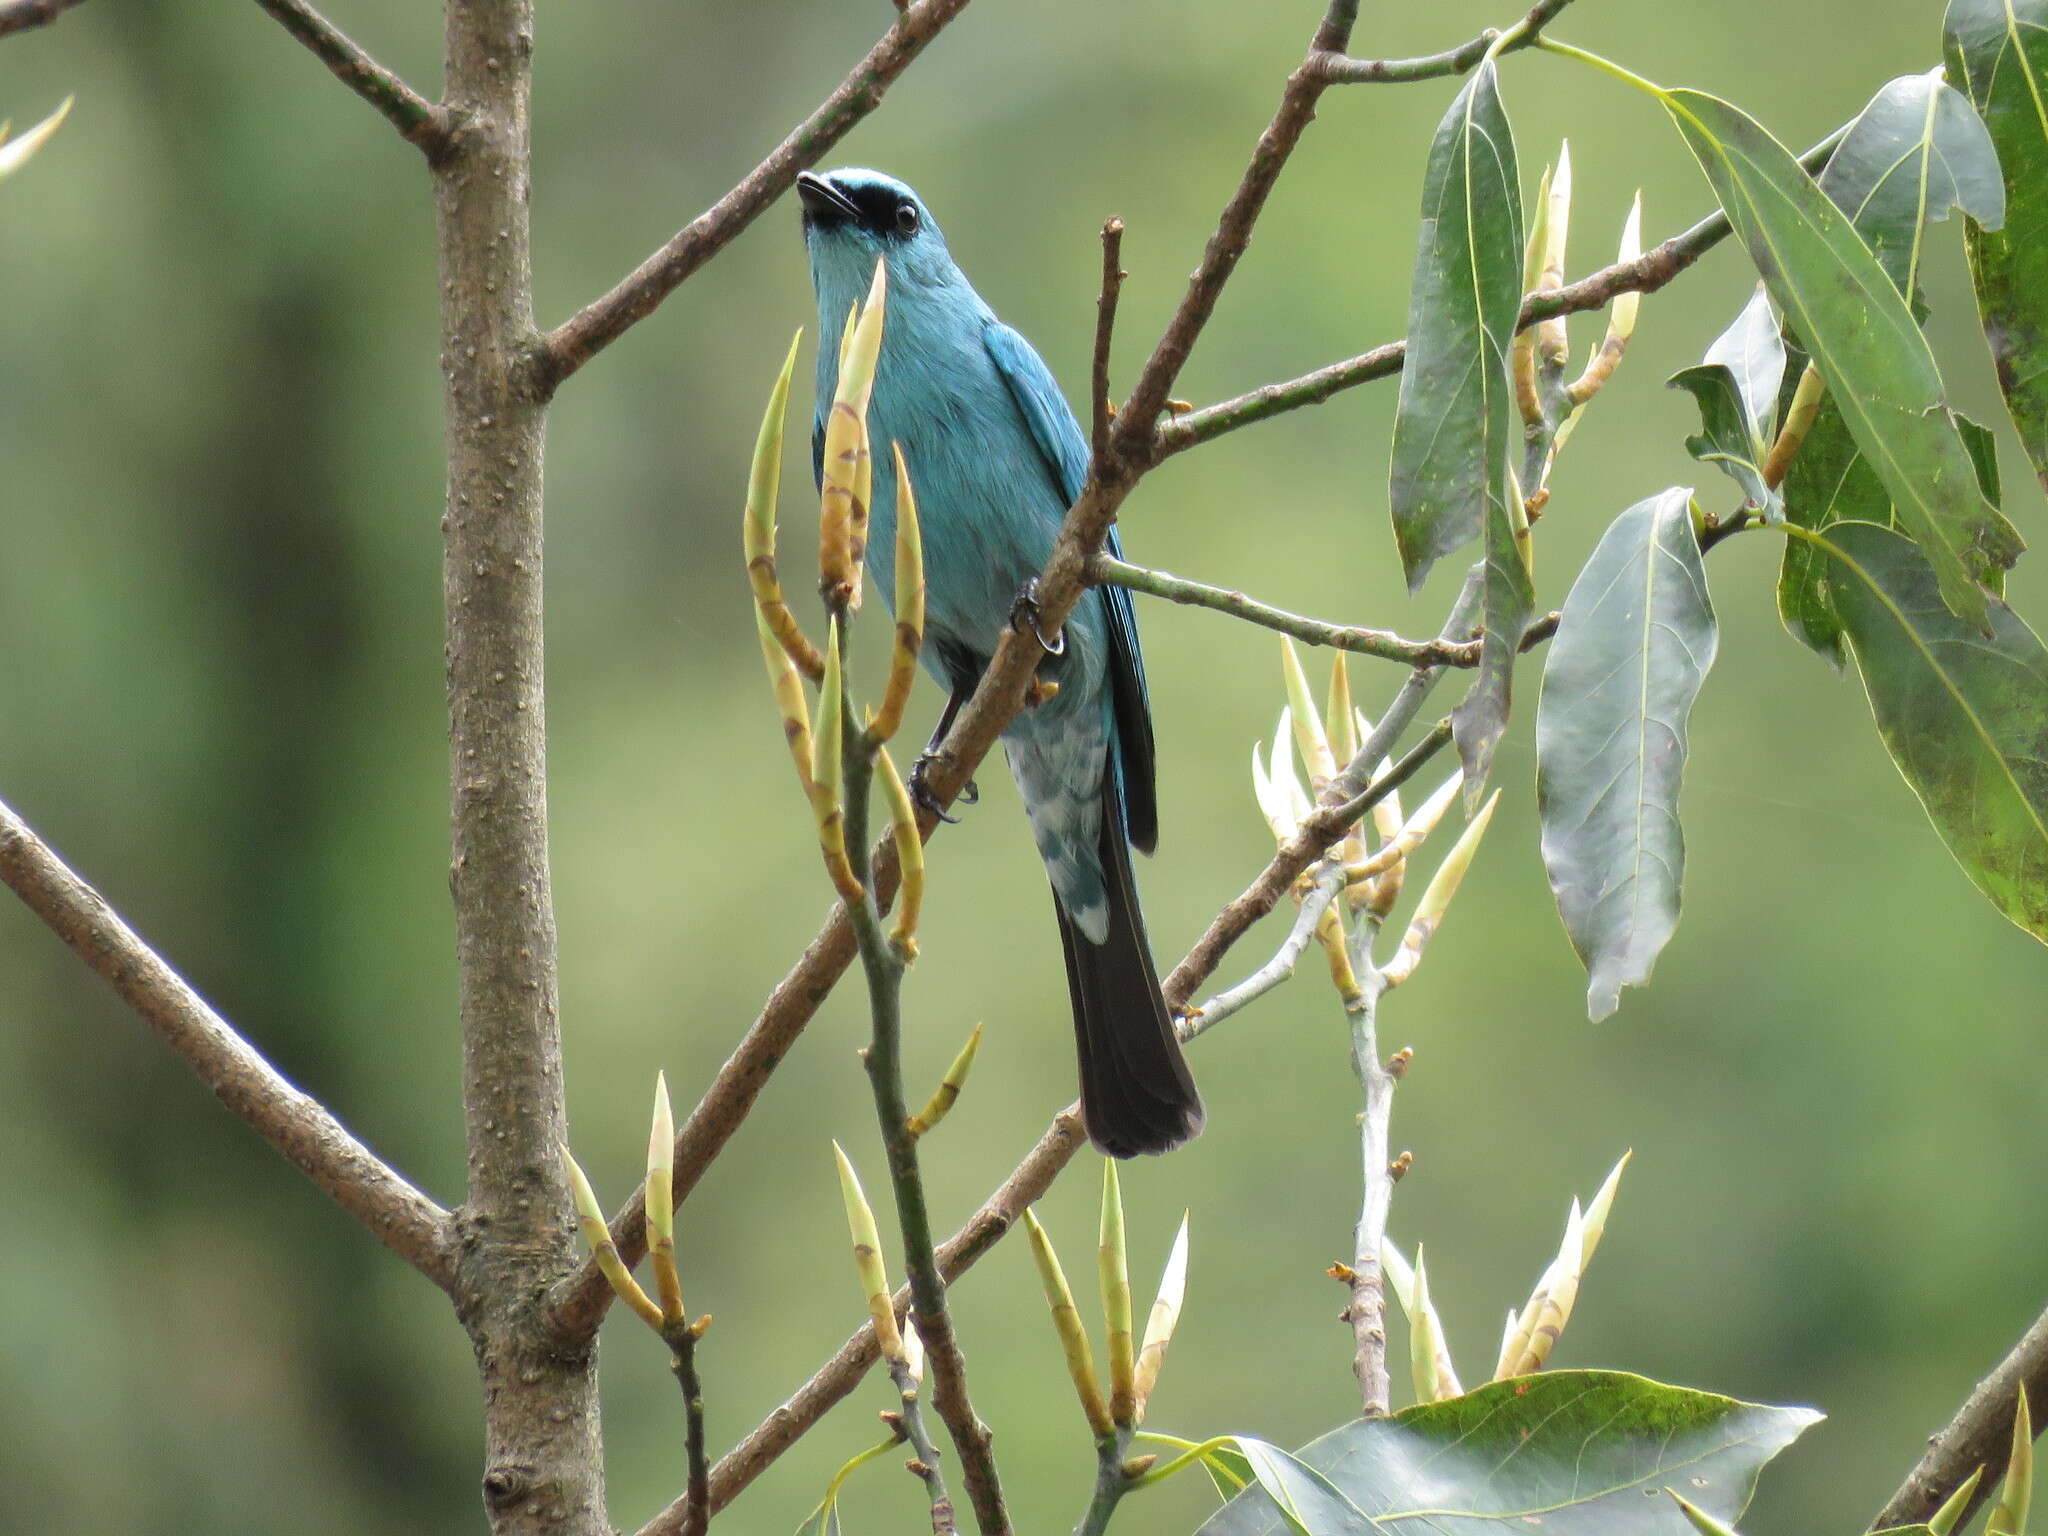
x=996, y=458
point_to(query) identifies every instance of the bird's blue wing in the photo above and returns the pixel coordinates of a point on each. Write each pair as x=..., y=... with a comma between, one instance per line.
x=1065, y=451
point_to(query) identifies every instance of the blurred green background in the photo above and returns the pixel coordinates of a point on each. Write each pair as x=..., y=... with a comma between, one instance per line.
x=222, y=696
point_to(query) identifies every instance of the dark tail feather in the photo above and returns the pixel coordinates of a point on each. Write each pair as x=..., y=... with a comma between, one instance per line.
x=1136, y=1092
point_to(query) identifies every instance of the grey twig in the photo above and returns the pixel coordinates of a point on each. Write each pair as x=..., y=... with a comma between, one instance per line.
x=597, y=325
x=419, y=120
x=1341, y=70
x=20, y=15
x=1366, y=1310
x=1980, y=1435
x=1108, y=570
x=1281, y=967
x=300, y=1127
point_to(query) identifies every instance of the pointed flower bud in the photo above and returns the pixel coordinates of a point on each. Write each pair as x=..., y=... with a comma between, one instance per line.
x=1066, y=1322
x=2009, y=1515
x=1436, y=899
x=789, y=700
x=1308, y=726
x=1423, y=1338
x=1113, y=1268
x=848, y=469
x=764, y=488
x=14, y=155
x=867, y=1260
x=1165, y=1316
x=827, y=764
x=661, y=1203
x=597, y=1235
x=1945, y=1519
x=1603, y=1202
x=909, y=605
x=948, y=1091
x=909, y=857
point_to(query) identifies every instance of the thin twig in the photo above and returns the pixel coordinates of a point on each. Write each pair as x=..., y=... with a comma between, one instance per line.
x=1653, y=270
x=884, y=968
x=1980, y=1435
x=20, y=15
x=419, y=120
x=300, y=1127
x=681, y=1339
x=924, y=1453
x=1367, y=1309
x=1276, y=970
x=1385, y=644
x=1113, y=276
x=1341, y=70
x=598, y=324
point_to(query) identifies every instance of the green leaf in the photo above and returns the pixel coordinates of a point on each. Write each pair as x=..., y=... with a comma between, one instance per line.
x=1299, y=1497
x=1915, y=152
x=823, y=1521
x=1456, y=424
x=1632, y=649
x=1997, y=50
x=1964, y=715
x=1736, y=388
x=1508, y=601
x=1850, y=318
x=1570, y=1453
x=1229, y=1471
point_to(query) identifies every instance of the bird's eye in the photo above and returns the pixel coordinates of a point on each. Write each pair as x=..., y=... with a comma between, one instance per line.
x=906, y=218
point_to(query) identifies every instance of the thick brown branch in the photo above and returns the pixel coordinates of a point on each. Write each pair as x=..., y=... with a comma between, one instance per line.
x=581, y=337
x=419, y=120
x=397, y=1215
x=1980, y=1435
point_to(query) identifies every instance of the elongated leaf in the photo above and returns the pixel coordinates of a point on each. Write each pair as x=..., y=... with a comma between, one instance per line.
x=1915, y=152
x=823, y=1521
x=1997, y=50
x=1965, y=716
x=1736, y=388
x=1455, y=424
x=1569, y=1453
x=1632, y=649
x=1857, y=328
x=1509, y=598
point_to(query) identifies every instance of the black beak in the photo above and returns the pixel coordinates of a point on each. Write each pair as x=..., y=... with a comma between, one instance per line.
x=824, y=203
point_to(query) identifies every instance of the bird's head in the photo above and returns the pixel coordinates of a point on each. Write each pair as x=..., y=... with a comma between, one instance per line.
x=852, y=218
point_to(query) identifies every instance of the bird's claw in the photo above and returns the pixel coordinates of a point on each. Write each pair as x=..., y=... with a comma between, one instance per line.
x=1024, y=617
x=923, y=795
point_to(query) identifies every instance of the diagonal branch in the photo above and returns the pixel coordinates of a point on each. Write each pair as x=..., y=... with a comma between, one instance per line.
x=300, y=1127
x=1980, y=1435
x=598, y=324
x=1649, y=272
x=417, y=119
x=20, y=15
x=1383, y=643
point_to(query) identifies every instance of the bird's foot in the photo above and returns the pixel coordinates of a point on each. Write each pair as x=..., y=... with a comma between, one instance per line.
x=1024, y=617
x=923, y=795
